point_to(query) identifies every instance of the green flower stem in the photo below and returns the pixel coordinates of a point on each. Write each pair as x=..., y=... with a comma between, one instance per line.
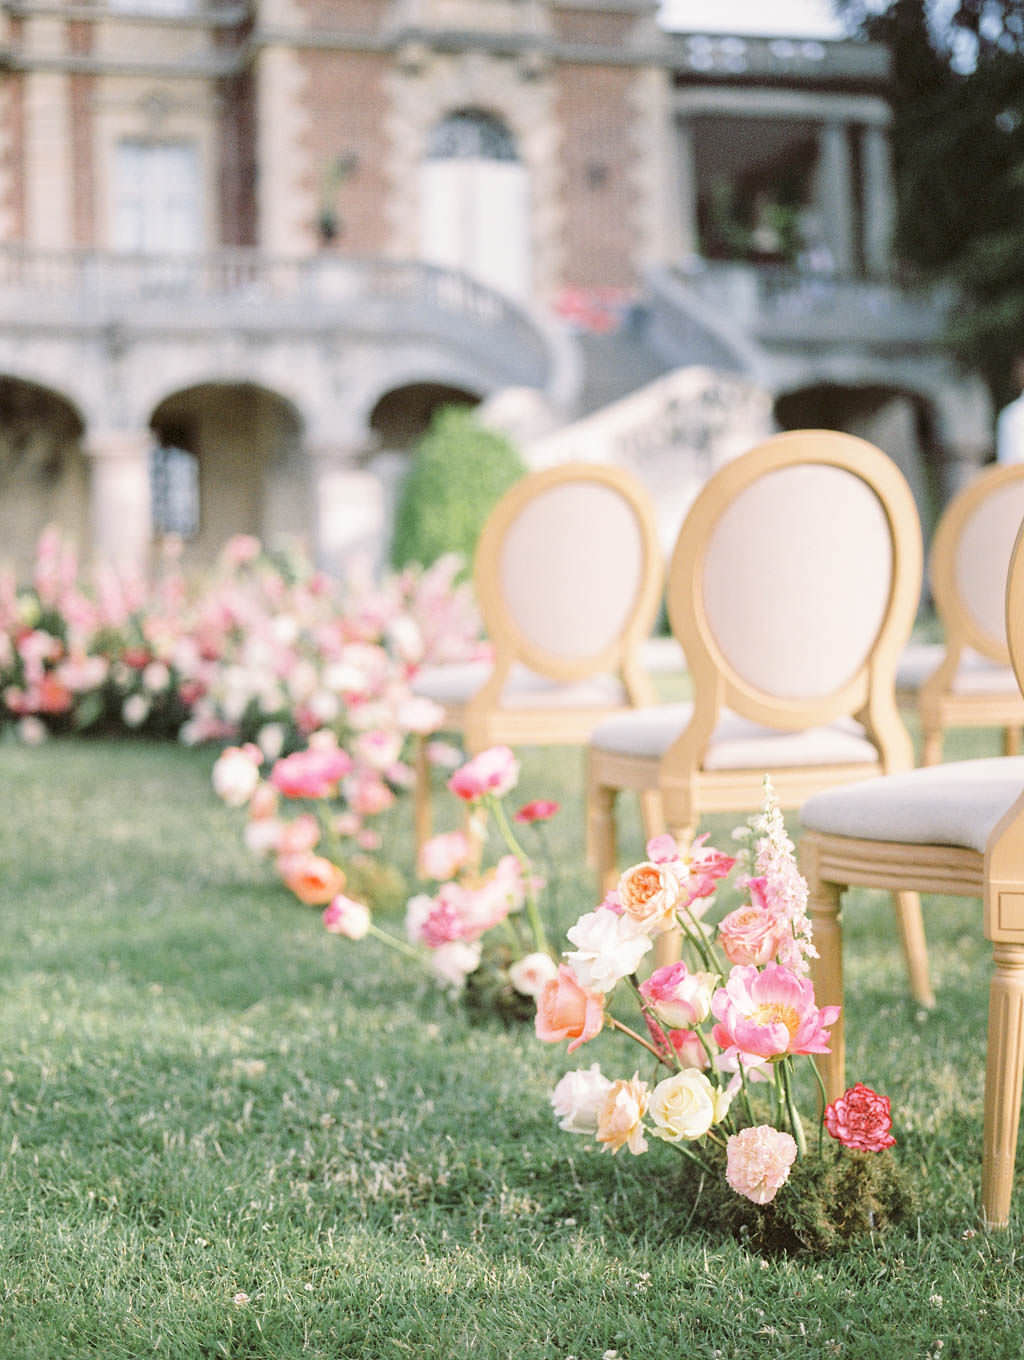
x=685, y=1150
x=785, y=1071
x=540, y=939
x=649, y=1011
x=697, y=939
x=396, y=943
x=823, y=1094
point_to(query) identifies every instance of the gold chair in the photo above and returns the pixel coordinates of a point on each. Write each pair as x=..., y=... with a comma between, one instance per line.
x=957, y=829
x=792, y=588
x=568, y=574
x=969, y=682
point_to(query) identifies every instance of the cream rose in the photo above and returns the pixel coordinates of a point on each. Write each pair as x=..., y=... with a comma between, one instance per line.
x=685, y=1106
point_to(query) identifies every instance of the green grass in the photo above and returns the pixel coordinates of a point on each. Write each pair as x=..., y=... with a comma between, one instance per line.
x=205, y=1097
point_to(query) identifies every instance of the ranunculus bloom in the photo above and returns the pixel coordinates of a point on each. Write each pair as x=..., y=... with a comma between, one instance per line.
x=235, y=776
x=680, y=998
x=310, y=774
x=313, y=879
x=494, y=771
x=442, y=856
x=620, y=1118
x=860, y=1119
x=578, y=1099
x=531, y=974
x=607, y=949
x=685, y=1106
x=770, y=1013
x=298, y=836
x=649, y=894
x=758, y=1162
x=540, y=810
x=565, y=1010
x=344, y=916
x=752, y=933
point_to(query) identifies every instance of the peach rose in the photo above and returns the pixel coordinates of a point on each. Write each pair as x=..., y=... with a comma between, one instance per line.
x=620, y=1119
x=565, y=1010
x=649, y=894
x=313, y=879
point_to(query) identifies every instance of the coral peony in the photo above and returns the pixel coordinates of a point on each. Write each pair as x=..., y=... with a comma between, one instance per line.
x=313, y=879
x=494, y=772
x=758, y=1162
x=860, y=1119
x=565, y=1010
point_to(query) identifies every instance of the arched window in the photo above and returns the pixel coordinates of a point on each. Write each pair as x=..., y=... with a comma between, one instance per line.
x=174, y=489
x=475, y=201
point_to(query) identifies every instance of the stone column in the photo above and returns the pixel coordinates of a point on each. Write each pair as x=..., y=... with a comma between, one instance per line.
x=48, y=176
x=119, y=496
x=349, y=509
x=686, y=188
x=837, y=200
x=878, y=199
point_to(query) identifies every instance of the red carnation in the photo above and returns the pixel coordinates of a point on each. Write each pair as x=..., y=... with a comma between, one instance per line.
x=537, y=811
x=860, y=1119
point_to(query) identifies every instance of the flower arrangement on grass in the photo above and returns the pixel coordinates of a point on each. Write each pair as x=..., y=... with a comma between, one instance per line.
x=479, y=931
x=721, y=1031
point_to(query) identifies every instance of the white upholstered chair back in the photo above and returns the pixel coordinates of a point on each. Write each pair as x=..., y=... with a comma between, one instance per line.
x=971, y=558
x=568, y=570
x=796, y=576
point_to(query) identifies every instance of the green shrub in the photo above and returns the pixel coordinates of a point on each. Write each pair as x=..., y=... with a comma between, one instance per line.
x=459, y=472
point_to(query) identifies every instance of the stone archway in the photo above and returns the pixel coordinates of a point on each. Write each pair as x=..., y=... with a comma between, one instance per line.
x=44, y=474
x=251, y=469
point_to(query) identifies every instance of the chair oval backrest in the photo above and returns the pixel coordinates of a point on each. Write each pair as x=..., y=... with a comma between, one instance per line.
x=970, y=560
x=568, y=570
x=795, y=563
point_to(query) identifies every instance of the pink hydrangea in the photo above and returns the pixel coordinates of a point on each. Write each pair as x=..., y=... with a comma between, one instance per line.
x=758, y=1162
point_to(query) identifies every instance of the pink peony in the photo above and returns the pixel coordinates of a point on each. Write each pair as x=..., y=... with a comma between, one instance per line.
x=344, y=916
x=769, y=1014
x=310, y=774
x=565, y=1010
x=444, y=855
x=494, y=771
x=759, y=1162
x=679, y=998
x=752, y=933
x=540, y=810
x=860, y=1119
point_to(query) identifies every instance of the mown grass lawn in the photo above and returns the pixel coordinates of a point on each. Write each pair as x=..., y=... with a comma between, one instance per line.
x=226, y=1133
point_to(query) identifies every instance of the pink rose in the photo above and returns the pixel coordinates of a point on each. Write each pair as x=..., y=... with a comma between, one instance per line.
x=494, y=772
x=444, y=855
x=758, y=1162
x=860, y=1119
x=344, y=916
x=679, y=998
x=752, y=933
x=565, y=1010
x=540, y=810
x=770, y=1013
x=310, y=774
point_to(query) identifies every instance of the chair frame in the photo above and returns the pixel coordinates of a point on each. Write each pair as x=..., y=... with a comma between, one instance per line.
x=831, y=863
x=687, y=789
x=484, y=721
x=937, y=703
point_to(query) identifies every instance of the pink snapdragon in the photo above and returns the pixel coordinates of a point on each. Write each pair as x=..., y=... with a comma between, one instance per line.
x=770, y=1013
x=494, y=771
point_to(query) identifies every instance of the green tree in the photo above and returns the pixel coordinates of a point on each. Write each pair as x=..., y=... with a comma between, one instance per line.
x=459, y=471
x=958, y=140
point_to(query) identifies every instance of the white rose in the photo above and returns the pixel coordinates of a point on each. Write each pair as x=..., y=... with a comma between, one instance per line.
x=528, y=975
x=235, y=775
x=685, y=1106
x=605, y=950
x=578, y=1098
x=453, y=962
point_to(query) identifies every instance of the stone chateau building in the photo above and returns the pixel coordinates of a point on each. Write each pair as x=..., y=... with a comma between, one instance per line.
x=248, y=246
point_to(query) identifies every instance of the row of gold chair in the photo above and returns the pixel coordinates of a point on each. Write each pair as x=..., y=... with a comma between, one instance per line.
x=792, y=590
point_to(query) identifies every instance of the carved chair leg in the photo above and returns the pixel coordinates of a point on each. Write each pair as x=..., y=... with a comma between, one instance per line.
x=931, y=748
x=1011, y=741
x=602, y=850
x=652, y=813
x=422, y=816
x=907, y=906
x=824, y=908
x=1003, y=1075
